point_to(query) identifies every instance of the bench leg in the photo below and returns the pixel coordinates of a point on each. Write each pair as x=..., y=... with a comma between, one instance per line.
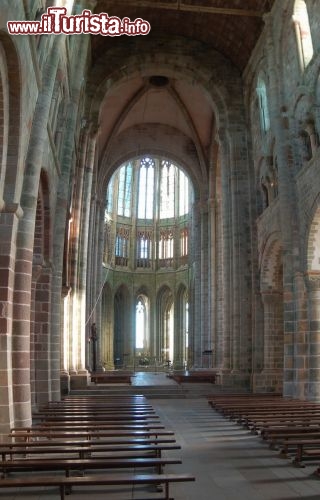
x=62, y=491
x=167, y=491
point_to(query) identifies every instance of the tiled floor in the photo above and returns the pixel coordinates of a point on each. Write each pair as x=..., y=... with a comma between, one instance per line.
x=228, y=462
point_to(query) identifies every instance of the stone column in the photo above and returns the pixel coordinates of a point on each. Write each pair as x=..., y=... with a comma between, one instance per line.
x=205, y=331
x=86, y=318
x=224, y=347
x=273, y=334
x=107, y=330
x=25, y=240
x=99, y=273
x=61, y=219
x=9, y=219
x=195, y=344
x=288, y=207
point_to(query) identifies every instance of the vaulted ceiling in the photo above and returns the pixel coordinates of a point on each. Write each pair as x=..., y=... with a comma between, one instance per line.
x=232, y=27
x=133, y=103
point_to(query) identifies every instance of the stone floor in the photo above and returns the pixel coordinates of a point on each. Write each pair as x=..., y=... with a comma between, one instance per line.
x=228, y=462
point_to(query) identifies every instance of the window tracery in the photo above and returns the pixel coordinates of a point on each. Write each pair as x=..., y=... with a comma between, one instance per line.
x=148, y=200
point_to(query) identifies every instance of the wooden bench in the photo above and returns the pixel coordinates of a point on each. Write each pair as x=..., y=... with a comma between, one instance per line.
x=301, y=447
x=93, y=480
x=97, y=411
x=110, y=378
x=81, y=464
x=127, y=448
x=111, y=418
x=277, y=440
x=193, y=376
x=31, y=434
x=91, y=424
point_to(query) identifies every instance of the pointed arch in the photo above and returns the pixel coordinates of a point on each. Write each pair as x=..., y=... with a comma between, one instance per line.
x=165, y=323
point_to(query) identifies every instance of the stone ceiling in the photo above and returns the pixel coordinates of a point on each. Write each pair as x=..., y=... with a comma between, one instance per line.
x=188, y=37
x=232, y=27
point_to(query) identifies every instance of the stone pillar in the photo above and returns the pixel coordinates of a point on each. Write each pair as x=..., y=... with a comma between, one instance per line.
x=99, y=272
x=61, y=219
x=9, y=219
x=86, y=319
x=205, y=331
x=107, y=330
x=313, y=291
x=224, y=347
x=273, y=332
x=25, y=240
x=74, y=265
x=195, y=345
x=42, y=365
x=288, y=208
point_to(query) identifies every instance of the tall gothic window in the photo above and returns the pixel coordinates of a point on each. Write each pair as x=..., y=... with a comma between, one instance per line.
x=142, y=324
x=146, y=188
x=167, y=185
x=183, y=193
x=303, y=33
x=125, y=190
x=148, y=197
x=263, y=105
x=184, y=242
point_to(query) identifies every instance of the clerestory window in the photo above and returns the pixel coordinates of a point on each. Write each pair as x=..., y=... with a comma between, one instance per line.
x=303, y=33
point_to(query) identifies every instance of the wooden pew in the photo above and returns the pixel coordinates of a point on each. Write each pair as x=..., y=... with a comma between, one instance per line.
x=32, y=433
x=93, y=480
x=106, y=417
x=111, y=378
x=193, y=376
x=303, y=448
x=91, y=424
x=123, y=448
x=81, y=464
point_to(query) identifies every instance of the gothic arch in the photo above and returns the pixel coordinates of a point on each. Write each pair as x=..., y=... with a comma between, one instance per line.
x=178, y=66
x=313, y=240
x=271, y=265
x=271, y=286
x=41, y=298
x=124, y=148
x=165, y=323
x=10, y=98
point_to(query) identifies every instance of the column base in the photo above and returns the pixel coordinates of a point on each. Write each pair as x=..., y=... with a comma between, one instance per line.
x=236, y=379
x=64, y=383
x=268, y=381
x=79, y=381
